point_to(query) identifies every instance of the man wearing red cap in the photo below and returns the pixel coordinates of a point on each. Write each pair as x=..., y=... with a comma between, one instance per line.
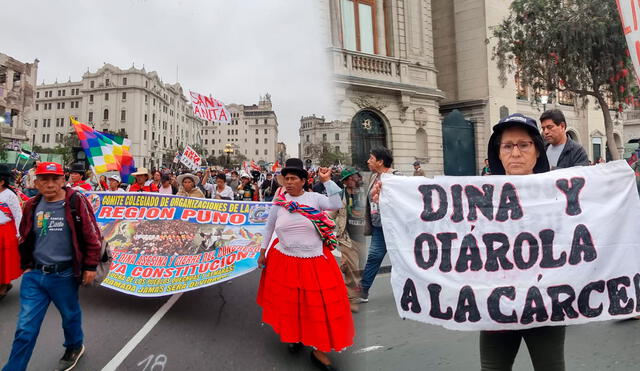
x=57, y=253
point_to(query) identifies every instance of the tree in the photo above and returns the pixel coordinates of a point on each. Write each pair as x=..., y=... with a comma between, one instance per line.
x=576, y=46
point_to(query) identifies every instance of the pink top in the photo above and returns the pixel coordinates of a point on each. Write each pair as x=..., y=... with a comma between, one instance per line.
x=297, y=234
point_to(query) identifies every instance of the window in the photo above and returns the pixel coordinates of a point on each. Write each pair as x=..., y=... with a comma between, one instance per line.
x=257, y=152
x=123, y=115
x=266, y=131
x=265, y=152
x=124, y=81
x=146, y=98
x=256, y=131
x=337, y=149
x=358, y=25
x=62, y=105
x=146, y=118
x=206, y=142
x=106, y=96
x=256, y=140
x=307, y=138
x=124, y=95
x=90, y=98
x=106, y=82
x=90, y=116
x=265, y=140
x=37, y=106
x=44, y=136
x=35, y=123
x=144, y=135
x=324, y=137
x=105, y=115
x=37, y=94
x=337, y=136
x=265, y=121
x=64, y=92
x=92, y=84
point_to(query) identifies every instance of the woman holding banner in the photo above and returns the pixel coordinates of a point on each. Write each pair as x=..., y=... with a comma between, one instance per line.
x=516, y=147
x=10, y=216
x=302, y=293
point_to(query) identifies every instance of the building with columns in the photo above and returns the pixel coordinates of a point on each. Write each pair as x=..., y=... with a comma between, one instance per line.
x=417, y=76
x=476, y=99
x=252, y=132
x=317, y=135
x=386, y=80
x=17, y=99
x=154, y=115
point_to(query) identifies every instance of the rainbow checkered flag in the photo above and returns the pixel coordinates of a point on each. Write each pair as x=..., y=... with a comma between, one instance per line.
x=105, y=152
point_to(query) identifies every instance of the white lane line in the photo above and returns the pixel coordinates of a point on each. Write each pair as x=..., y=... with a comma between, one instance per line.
x=138, y=337
x=368, y=349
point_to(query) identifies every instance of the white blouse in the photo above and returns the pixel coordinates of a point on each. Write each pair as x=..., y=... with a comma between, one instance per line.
x=297, y=234
x=8, y=198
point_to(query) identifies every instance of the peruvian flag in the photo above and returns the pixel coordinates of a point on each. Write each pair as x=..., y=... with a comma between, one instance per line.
x=254, y=166
x=275, y=167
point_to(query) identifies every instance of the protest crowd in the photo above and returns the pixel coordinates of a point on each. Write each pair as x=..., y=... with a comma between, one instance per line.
x=49, y=235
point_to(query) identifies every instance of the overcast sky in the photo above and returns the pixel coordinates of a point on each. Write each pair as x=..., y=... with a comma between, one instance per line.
x=235, y=50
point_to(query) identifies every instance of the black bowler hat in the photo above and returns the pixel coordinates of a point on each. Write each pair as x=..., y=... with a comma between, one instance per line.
x=4, y=171
x=294, y=166
x=77, y=168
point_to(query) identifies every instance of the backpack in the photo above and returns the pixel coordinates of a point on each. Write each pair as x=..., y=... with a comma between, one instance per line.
x=104, y=264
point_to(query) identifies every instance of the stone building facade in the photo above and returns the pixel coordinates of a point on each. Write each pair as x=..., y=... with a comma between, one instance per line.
x=316, y=135
x=17, y=99
x=253, y=132
x=470, y=79
x=386, y=80
x=154, y=115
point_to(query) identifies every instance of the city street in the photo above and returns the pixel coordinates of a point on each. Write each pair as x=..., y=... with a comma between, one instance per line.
x=215, y=328
x=409, y=345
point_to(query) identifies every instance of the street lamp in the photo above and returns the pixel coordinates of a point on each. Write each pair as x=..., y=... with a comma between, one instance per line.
x=228, y=149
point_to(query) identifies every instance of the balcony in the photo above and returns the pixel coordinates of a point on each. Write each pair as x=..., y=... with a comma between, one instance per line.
x=13, y=133
x=375, y=67
x=389, y=73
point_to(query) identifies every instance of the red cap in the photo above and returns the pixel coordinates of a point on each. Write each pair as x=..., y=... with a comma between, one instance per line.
x=49, y=168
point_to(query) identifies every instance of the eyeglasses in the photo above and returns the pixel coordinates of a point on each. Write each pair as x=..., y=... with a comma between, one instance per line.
x=524, y=146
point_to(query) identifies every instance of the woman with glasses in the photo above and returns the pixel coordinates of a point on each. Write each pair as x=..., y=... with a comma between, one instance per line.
x=516, y=147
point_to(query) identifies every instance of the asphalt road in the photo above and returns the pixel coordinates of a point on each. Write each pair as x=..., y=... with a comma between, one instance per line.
x=397, y=344
x=214, y=328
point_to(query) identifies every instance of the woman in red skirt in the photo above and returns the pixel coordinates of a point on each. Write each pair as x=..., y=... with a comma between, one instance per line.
x=10, y=215
x=302, y=292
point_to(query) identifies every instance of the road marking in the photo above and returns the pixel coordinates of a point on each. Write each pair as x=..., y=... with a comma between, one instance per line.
x=368, y=349
x=137, y=338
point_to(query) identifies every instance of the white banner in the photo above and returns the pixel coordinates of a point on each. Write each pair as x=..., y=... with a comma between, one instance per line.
x=209, y=109
x=191, y=159
x=513, y=252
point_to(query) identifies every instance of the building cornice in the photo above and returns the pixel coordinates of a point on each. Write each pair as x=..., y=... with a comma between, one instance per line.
x=390, y=86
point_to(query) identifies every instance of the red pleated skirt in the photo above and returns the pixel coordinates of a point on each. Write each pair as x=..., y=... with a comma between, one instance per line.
x=9, y=256
x=305, y=300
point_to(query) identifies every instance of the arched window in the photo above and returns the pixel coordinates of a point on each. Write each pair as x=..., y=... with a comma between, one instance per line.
x=105, y=115
x=367, y=132
x=421, y=143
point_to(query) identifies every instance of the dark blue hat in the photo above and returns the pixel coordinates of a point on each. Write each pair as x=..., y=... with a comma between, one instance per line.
x=516, y=119
x=511, y=121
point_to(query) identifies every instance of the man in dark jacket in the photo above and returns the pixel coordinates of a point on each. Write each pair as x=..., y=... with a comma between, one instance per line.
x=562, y=152
x=57, y=253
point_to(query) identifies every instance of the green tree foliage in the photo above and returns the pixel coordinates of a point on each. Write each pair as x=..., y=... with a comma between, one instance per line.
x=568, y=45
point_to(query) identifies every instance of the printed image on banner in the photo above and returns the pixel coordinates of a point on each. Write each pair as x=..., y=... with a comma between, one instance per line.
x=514, y=252
x=209, y=109
x=164, y=244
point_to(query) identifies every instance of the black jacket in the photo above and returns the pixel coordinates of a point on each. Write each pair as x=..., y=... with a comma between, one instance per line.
x=572, y=155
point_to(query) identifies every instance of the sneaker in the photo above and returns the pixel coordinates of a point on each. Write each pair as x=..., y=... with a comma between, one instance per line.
x=364, y=296
x=70, y=358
